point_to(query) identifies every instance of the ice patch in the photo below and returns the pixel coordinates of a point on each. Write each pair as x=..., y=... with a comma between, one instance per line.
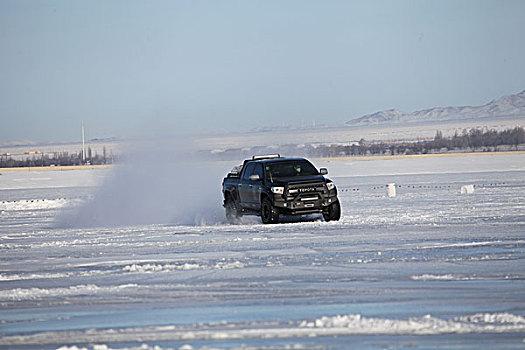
x=32, y=276
x=148, y=268
x=452, y=277
x=229, y=265
x=447, y=277
x=353, y=324
x=471, y=244
x=37, y=204
x=20, y=294
x=156, y=347
x=499, y=318
x=156, y=268
x=74, y=347
x=477, y=323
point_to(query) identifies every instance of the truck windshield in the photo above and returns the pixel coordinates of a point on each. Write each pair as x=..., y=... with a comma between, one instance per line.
x=291, y=169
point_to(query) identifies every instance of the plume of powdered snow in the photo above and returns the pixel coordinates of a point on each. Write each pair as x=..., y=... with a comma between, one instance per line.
x=160, y=182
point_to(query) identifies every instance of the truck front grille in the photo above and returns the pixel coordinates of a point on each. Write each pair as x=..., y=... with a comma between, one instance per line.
x=308, y=188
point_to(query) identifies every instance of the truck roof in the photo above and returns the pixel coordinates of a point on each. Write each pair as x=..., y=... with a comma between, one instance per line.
x=236, y=171
x=273, y=160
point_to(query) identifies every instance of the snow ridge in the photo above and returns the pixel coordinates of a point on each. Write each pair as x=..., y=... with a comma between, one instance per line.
x=477, y=323
x=19, y=294
x=352, y=324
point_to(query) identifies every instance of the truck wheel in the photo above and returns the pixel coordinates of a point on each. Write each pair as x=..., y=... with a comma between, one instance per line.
x=333, y=213
x=269, y=214
x=232, y=213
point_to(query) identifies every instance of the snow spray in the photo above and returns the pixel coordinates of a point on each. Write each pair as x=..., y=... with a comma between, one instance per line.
x=159, y=182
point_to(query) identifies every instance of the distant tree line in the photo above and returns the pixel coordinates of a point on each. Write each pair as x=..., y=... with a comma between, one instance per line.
x=468, y=140
x=485, y=140
x=38, y=159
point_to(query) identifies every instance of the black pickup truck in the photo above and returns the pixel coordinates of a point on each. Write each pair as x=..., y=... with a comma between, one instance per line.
x=270, y=186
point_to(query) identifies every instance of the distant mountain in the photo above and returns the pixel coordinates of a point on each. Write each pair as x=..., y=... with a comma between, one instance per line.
x=506, y=106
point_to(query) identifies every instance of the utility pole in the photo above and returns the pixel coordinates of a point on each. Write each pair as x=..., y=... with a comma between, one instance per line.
x=83, y=145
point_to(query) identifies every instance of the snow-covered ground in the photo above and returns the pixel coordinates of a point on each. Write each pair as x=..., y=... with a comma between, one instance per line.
x=430, y=268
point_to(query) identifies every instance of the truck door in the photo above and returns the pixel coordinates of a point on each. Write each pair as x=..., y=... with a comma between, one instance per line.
x=244, y=185
x=256, y=187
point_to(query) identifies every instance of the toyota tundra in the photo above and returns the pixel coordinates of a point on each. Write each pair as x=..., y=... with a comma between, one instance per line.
x=272, y=186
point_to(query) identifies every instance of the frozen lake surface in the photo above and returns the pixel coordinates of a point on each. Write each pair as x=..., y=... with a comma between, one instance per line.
x=429, y=268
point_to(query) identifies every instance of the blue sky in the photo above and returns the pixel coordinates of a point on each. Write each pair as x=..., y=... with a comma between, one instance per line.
x=204, y=66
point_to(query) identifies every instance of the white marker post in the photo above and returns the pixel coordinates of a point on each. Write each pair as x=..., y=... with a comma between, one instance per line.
x=391, y=190
x=467, y=189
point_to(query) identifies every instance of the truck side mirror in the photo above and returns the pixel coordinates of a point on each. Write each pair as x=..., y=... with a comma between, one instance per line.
x=323, y=171
x=255, y=177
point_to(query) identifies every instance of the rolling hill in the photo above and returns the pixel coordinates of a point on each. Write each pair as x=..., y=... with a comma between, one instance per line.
x=506, y=106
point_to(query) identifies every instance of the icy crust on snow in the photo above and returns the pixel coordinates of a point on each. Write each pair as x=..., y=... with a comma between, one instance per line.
x=31, y=276
x=190, y=347
x=136, y=267
x=458, y=277
x=19, y=294
x=38, y=204
x=151, y=268
x=500, y=318
x=477, y=323
x=387, y=256
x=444, y=277
x=105, y=347
x=352, y=324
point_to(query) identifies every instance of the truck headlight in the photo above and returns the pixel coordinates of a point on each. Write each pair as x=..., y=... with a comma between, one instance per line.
x=330, y=186
x=278, y=190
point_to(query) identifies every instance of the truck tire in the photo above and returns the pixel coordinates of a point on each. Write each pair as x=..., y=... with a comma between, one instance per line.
x=232, y=212
x=333, y=212
x=269, y=215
